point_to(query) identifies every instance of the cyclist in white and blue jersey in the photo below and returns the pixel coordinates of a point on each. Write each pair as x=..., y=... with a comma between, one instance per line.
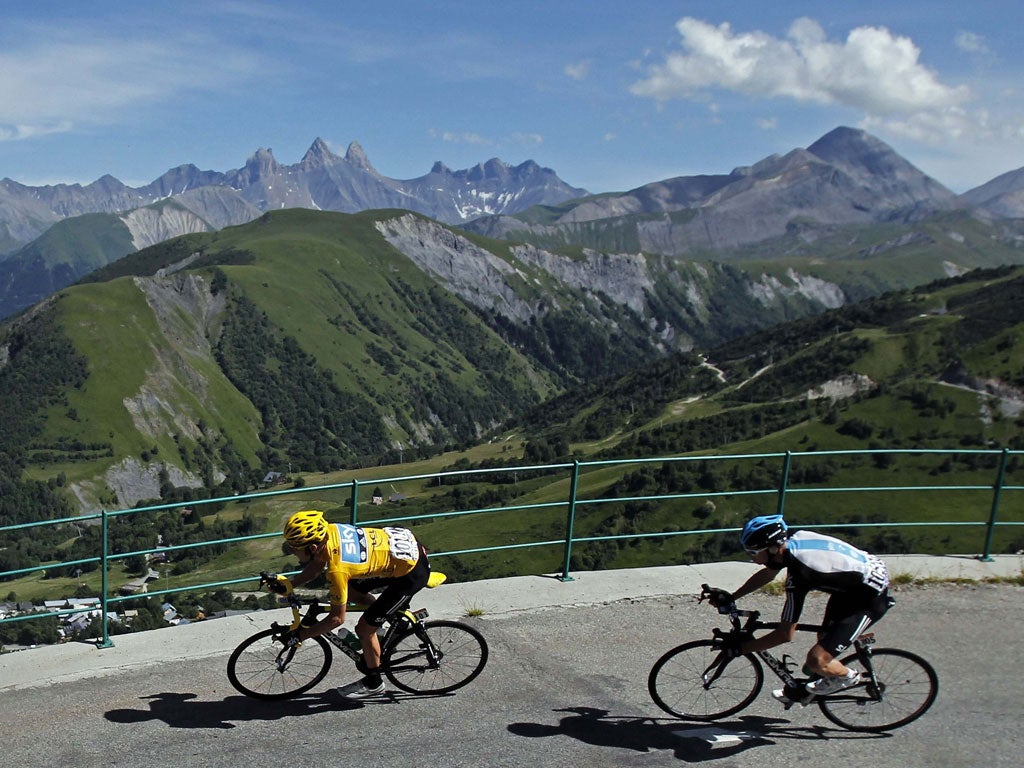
x=857, y=582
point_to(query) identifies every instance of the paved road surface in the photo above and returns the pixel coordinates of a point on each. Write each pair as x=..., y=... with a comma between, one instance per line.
x=565, y=686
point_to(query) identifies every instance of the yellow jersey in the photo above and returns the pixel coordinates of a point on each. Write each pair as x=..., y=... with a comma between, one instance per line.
x=361, y=553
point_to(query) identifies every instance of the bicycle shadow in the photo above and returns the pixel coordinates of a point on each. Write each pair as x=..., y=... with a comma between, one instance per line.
x=692, y=743
x=186, y=710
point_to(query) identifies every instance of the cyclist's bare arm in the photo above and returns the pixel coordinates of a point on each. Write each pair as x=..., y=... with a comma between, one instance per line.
x=758, y=579
x=310, y=571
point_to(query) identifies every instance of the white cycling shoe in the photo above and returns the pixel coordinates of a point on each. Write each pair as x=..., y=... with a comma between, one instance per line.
x=823, y=686
x=359, y=690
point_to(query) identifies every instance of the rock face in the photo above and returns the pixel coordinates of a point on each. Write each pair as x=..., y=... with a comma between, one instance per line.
x=508, y=287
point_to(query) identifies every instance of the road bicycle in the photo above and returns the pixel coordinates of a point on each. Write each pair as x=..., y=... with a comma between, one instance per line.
x=699, y=681
x=417, y=656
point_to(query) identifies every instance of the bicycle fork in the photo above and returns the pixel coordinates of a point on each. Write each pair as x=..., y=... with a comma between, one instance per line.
x=862, y=646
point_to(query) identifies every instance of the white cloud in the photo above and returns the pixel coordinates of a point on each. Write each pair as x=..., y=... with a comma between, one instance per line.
x=463, y=137
x=971, y=43
x=527, y=139
x=54, y=86
x=872, y=70
x=767, y=123
x=578, y=71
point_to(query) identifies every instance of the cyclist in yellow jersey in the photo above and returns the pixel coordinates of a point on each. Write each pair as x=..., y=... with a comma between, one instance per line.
x=356, y=560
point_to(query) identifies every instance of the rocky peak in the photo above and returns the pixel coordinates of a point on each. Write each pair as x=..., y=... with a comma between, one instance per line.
x=107, y=183
x=492, y=169
x=357, y=157
x=317, y=156
x=853, y=149
x=262, y=163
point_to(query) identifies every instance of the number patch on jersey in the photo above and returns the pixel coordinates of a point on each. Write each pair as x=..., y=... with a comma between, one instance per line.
x=403, y=544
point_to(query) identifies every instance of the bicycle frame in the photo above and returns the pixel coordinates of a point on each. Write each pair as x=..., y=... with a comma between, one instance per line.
x=402, y=619
x=781, y=667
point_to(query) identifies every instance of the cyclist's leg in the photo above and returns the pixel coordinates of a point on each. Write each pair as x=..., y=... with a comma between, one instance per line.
x=361, y=591
x=397, y=593
x=846, y=618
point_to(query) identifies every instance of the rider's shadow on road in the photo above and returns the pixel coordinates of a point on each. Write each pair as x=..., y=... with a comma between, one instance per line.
x=690, y=742
x=184, y=710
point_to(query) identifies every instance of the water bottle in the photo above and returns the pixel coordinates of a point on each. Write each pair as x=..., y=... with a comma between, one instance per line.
x=350, y=641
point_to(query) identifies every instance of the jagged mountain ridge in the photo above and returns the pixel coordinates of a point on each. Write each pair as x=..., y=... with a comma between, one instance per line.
x=187, y=200
x=321, y=180
x=846, y=178
x=821, y=202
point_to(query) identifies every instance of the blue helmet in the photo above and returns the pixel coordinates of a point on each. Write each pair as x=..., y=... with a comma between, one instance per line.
x=763, y=531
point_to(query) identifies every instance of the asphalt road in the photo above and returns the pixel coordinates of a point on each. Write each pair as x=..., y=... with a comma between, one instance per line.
x=563, y=687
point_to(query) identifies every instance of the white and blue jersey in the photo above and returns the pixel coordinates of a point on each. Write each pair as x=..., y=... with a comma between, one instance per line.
x=814, y=561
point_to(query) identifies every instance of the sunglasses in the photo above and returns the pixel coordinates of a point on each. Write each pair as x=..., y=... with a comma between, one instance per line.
x=754, y=552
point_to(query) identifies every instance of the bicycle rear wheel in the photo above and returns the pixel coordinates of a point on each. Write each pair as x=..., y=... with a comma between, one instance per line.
x=683, y=682
x=435, y=657
x=907, y=687
x=263, y=668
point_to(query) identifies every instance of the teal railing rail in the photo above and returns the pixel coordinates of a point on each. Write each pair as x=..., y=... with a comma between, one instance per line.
x=566, y=488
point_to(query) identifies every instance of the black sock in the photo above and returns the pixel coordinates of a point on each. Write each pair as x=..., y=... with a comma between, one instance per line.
x=372, y=679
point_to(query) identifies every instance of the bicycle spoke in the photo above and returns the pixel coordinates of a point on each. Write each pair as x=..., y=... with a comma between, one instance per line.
x=258, y=668
x=411, y=664
x=906, y=687
x=687, y=682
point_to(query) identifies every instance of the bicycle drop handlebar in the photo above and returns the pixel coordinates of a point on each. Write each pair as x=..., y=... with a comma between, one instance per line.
x=753, y=618
x=291, y=600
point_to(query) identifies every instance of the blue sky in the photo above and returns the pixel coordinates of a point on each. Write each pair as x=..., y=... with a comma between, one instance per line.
x=611, y=95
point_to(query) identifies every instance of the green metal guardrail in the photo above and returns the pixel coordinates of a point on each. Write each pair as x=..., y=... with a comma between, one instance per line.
x=575, y=498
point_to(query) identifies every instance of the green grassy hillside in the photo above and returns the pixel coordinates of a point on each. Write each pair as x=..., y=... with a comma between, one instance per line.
x=68, y=248
x=305, y=344
x=939, y=367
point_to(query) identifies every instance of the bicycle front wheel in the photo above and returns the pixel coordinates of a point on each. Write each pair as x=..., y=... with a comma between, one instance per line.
x=263, y=668
x=906, y=687
x=435, y=657
x=688, y=683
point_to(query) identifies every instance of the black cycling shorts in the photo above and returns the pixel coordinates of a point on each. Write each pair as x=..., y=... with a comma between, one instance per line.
x=397, y=592
x=848, y=615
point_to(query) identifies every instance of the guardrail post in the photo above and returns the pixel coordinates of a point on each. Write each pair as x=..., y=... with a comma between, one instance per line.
x=784, y=482
x=570, y=520
x=104, y=581
x=997, y=492
x=354, y=516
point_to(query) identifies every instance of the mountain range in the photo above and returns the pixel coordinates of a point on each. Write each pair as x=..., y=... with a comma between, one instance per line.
x=50, y=236
x=801, y=203
x=317, y=340
x=847, y=178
